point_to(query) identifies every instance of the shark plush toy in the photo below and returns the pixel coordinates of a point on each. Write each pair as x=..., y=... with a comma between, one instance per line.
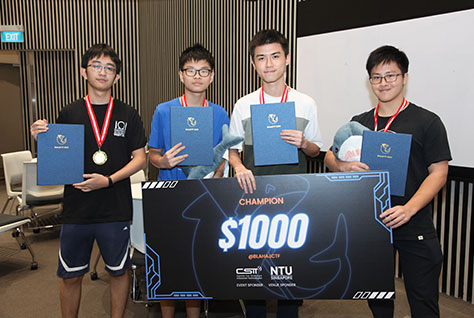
x=347, y=142
x=228, y=140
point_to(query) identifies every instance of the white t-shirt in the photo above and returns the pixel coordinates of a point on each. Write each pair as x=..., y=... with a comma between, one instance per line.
x=305, y=110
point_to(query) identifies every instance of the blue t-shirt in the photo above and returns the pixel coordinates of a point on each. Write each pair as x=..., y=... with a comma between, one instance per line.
x=160, y=136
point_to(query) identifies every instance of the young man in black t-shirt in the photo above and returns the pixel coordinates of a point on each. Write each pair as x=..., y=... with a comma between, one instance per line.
x=414, y=234
x=99, y=208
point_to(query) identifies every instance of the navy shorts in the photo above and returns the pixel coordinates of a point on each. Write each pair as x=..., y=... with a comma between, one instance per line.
x=76, y=245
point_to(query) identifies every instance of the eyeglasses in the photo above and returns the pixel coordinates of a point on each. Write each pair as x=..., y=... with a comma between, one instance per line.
x=389, y=78
x=98, y=68
x=191, y=72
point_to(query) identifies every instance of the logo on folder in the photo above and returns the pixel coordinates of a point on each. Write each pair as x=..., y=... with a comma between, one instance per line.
x=385, y=150
x=191, y=122
x=272, y=119
x=61, y=140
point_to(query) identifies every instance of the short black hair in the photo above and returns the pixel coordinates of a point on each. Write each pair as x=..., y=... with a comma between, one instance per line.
x=386, y=54
x=197, y=52
x=268, y=37
x=99, y=50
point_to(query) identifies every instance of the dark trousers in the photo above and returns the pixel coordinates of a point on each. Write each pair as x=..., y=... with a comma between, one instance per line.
x=420, y=263
x=286, y=308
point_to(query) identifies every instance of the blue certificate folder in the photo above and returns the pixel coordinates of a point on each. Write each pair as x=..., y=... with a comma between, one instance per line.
x=193, y=126
x=388, y=151
x=61, y=154
x=268, y=120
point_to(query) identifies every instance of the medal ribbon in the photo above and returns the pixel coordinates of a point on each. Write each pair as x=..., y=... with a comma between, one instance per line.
x=182, y=101
x=95, y=126
x=402, y=107
x=284, y=97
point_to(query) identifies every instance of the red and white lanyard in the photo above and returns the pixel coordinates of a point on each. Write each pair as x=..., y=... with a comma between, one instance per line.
x=182, y=101
x=284, y=97
x=402, y=107
x=95, y=126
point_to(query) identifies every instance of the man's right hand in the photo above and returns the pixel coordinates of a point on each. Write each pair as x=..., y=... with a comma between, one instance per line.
x=246, y=179
x=39, y=126
x=337, y=165
x=170, y=159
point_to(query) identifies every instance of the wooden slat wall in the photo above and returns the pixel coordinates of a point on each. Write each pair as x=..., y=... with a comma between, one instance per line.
x=454, y=221
x=225, y=27
x=57, y=33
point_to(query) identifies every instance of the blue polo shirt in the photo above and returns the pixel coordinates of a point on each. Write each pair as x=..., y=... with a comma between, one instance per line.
x=160, y=136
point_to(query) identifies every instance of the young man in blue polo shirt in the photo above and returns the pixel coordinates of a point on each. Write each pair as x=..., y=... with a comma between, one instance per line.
x=196, y=72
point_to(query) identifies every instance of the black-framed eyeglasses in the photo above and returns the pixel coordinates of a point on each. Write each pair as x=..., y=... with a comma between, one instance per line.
x=98, y=68
x=389, y=78
x=191, y=72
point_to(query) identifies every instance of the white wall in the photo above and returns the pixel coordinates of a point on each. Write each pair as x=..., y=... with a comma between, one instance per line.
x=331, y=69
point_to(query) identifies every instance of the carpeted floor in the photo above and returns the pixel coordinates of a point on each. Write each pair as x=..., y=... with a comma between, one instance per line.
x=27, y=293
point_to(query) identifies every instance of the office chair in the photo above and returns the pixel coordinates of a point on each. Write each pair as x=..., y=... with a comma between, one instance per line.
x=15, y=223
x=13, y=171
x=34, y=196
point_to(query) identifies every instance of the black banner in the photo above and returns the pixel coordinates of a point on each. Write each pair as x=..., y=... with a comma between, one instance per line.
x=317, y=17
x=296, y=237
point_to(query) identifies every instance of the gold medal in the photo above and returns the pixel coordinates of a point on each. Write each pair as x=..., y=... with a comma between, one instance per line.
x=99, y=157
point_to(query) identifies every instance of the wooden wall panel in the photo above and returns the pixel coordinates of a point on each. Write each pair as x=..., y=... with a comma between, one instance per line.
x=57, y=33
x=225, y=27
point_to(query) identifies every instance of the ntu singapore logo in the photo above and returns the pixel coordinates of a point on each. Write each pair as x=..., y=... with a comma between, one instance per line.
x=385, y=149
x=272, y=119
x=191, y=122
x=61, y=140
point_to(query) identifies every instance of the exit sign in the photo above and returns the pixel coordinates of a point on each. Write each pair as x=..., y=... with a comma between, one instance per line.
x=12, y=36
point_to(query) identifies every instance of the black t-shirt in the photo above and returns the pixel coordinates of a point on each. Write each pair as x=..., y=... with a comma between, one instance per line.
x=125, y=134
x=429, y=145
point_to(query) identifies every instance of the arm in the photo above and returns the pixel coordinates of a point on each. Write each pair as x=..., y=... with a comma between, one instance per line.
x=97, y=181
x=244, y=176
x=219, y=130
x=219, y=173
x=295, y=137
x=435, y=180
x=170, y=159
x=337, y=165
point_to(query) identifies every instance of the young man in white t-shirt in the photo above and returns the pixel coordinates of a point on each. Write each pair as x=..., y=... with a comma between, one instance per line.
x=270, y=56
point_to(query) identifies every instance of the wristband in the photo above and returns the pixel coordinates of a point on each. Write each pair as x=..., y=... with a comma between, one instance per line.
x=111, y=183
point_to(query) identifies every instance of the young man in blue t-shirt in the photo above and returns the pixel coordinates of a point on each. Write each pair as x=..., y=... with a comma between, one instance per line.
x=196, y=72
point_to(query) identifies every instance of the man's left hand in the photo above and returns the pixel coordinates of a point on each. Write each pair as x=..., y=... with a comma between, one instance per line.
x=293, y=137
x=396, y=216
